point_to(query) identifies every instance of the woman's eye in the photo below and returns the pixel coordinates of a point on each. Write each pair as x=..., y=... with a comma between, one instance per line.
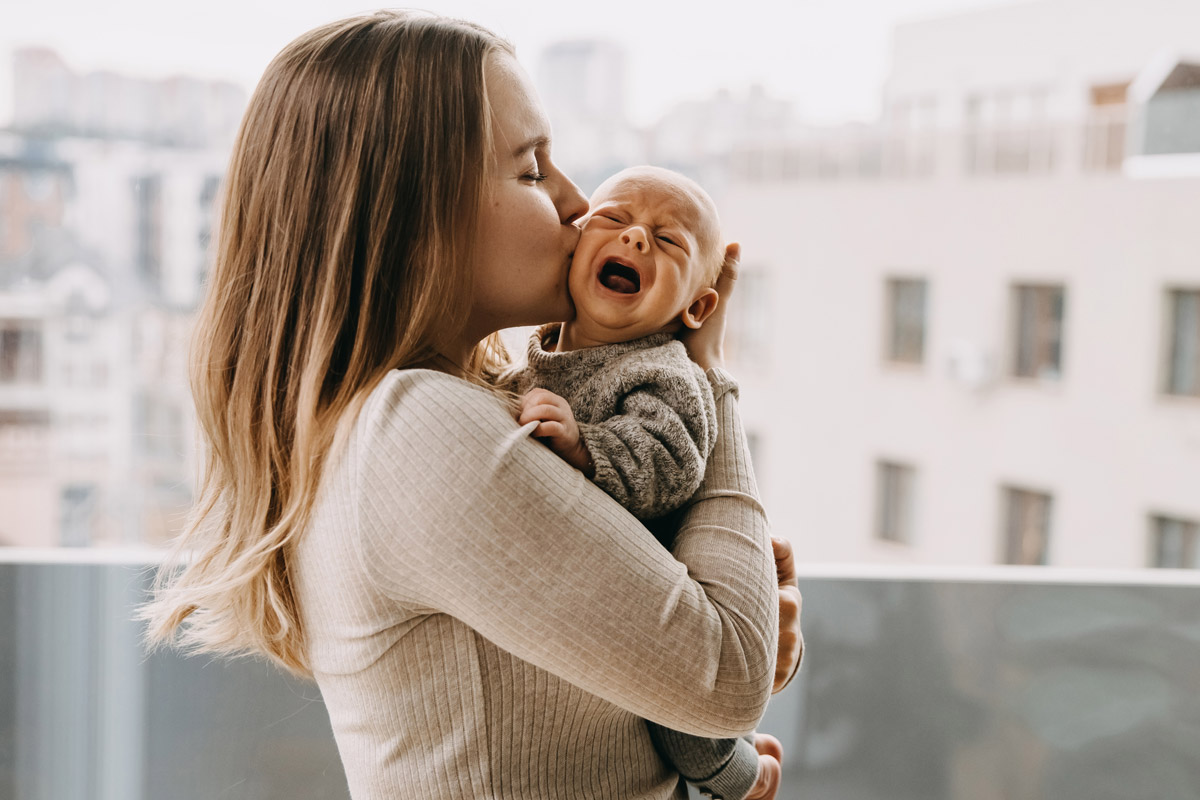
x=536, y=177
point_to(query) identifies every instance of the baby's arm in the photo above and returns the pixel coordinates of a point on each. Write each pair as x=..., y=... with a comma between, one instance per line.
x=727, y=768
x=556, y=427
x=650, y=455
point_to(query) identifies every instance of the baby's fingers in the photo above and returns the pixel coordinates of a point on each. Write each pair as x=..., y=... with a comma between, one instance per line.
x=549, y=430
x=542, y=411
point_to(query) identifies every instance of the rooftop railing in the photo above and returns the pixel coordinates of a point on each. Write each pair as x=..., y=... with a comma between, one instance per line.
x=1095, y=145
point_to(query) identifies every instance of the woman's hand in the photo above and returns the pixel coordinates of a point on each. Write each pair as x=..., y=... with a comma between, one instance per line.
x=770, y=772
x=706, y=344
x=791, y=640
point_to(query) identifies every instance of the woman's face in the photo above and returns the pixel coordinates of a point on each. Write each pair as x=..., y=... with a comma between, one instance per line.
x=526, y=234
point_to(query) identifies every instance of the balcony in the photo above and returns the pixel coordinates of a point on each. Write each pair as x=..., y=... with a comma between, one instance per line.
x=1013, y=683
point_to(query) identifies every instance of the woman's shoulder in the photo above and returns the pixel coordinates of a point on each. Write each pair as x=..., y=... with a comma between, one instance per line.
x=423, y=403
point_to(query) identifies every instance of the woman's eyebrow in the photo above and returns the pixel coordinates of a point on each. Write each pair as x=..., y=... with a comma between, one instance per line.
x=532, y=144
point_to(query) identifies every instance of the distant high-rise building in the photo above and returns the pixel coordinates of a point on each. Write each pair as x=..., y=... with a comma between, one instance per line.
x=583, y=86
x=585, y=79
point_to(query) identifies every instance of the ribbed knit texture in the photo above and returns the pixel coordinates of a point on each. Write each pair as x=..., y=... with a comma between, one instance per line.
x=483, y=622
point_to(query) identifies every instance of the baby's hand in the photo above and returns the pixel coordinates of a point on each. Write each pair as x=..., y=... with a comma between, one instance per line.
x=556, y=427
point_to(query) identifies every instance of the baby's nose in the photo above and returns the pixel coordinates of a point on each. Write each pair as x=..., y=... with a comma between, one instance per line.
x=635, y=237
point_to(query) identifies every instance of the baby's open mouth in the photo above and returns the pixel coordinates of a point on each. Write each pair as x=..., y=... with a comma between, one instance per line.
x=620, y=278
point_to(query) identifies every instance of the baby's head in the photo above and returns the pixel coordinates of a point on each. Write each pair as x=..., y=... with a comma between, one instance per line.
x=648, y=258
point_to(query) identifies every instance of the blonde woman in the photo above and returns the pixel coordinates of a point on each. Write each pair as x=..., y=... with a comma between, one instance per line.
x=481, y=619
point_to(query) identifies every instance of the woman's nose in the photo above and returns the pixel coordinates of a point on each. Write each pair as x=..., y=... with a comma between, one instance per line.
x=571, y=203
x=635, y=236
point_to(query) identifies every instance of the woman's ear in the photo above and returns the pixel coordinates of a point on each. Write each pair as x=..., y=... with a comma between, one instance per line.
x=701, y=309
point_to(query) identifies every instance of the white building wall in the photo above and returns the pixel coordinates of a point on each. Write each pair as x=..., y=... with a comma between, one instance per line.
x=1102, y=440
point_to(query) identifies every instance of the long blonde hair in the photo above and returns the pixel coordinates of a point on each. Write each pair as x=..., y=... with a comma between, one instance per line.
x=343, y=252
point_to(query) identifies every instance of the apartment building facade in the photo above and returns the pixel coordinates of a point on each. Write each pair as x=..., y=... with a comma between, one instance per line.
x=971, y=335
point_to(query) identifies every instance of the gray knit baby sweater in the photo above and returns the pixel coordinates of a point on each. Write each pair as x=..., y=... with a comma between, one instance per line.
x=645, y=413
x=647, y=416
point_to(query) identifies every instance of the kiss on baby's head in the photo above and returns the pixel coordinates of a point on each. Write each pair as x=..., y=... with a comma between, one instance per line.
x=647, y=260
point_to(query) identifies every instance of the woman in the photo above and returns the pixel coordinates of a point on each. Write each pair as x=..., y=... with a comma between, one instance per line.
x=481, y=620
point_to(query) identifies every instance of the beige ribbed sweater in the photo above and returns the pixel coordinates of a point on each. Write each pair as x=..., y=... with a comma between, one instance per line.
x=484, y=622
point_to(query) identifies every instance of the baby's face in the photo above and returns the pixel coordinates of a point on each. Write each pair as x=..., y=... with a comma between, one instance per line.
x=644, y=256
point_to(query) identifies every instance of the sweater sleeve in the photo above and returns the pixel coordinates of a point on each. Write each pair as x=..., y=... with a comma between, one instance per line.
x=726, y=768
x=650, y=456
x=460, y=512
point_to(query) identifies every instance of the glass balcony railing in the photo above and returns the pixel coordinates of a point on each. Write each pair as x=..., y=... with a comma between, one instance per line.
x=1022, y=684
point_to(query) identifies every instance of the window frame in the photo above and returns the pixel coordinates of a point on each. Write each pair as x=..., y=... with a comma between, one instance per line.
x=1168, y=382
x=895, y=502
x=892, y=334
x=1047, y=338
x=1012, y=550
x=1189, y=545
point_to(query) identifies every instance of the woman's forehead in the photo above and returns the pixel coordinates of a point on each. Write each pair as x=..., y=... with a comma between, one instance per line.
x=519, y=123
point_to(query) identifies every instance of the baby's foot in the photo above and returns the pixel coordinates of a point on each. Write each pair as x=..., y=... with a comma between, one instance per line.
x=770, y=774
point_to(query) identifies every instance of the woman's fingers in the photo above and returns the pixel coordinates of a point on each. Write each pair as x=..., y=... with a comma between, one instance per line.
x=770, y=776
x=706, y=344
x=785, y=562
x=791, y=603
x=791, y=639
x=729, y=269
x=768, y=745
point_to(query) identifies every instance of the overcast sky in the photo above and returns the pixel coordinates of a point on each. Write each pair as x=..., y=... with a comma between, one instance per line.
x=829, y=56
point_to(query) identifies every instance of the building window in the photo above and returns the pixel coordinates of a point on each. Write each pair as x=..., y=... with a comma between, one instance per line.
x=906, y=320
x=208, y=214
x=20, y=351
x=1038, y=346
x=1183, y=357
x=78, y=509
x=894, y=502
x=1173, y=543
x=1026, y=526
x=148, y=205
x=1167, y=124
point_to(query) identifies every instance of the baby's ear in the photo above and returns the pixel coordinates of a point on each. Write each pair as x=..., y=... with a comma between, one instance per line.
x=701, y=309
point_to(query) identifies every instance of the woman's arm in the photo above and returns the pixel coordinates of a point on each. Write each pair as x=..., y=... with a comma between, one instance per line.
x=460, y=512
x=706, y=346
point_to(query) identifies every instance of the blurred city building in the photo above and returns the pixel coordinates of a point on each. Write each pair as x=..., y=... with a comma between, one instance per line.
x=967, y=334
x=107, y=189
x=50, y=98
x=584, y=87
x=971, y=333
